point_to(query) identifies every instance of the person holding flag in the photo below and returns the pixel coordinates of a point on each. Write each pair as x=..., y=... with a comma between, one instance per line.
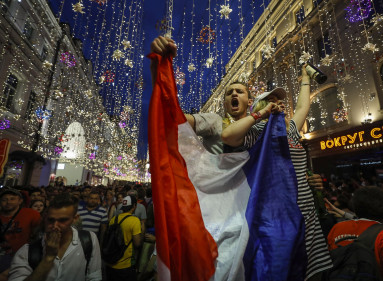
x=248, y=130
x=216, y=220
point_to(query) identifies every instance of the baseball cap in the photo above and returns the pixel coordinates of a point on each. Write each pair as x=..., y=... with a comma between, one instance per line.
x=10, y=191
x=128, y=201
x=280, y=93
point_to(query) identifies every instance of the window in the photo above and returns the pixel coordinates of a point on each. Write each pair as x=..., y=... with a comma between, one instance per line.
x=30, y=105
x=9, y=91
x=324, y=46
x=44, y=53
x=381, y=72
x=275, y=41
x=300, y=15
x=5, y=5
x=28, y=30
x=270, y=85
x=316, y=3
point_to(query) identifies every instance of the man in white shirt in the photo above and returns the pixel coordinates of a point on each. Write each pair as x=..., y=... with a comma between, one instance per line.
x=63, y=255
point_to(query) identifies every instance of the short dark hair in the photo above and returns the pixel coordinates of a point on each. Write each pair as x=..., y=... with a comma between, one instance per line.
x=367, y=203
x=34, y=190
x=95, y=192
x=64, y=200
x=243, y=84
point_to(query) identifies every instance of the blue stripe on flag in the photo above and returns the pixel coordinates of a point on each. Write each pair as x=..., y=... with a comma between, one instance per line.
x=276, y=245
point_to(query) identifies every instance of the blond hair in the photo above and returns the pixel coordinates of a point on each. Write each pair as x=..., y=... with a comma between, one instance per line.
x=261, y=105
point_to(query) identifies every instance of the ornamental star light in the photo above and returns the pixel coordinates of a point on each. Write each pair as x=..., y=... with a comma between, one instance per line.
x=126, y=44
x=225, y=11
x=209, y=62
x=129, y=63
x=88, y=93
x=102, y=79
x=370, y=47
x=78, y=8
x=47, y=64
x=191, y=67
x=304, y=57
x=377, y=19
x=117, y=54
x=267, y=51
x=58, y=94
x=327, y=60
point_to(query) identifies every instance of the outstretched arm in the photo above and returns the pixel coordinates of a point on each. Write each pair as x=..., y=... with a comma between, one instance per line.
x=234, y=134
x=303, y=103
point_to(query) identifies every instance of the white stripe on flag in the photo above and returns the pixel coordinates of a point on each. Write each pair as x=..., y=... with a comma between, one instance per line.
x=223, y=193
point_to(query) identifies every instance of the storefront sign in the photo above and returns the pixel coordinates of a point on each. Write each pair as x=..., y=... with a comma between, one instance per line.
x=354, y=140
x=359, y=138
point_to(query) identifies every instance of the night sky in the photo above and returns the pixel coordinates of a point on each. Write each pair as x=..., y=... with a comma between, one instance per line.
x=99, y=29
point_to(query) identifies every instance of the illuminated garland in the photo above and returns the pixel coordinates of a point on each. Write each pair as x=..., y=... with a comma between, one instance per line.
x=122, y=124
x=58, y=150
x=180, y=77
x=109, y=76
x=340, y=115
x=358, y=10
x=206, y=35
x=68, y=59
x=42, y=115
x=5, y=124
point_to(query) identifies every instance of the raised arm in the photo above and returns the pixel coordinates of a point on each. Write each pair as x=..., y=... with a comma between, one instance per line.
x=164, y=47
x=303, y=103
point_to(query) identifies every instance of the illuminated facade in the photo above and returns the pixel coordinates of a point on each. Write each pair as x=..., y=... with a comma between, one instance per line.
x=347, y=48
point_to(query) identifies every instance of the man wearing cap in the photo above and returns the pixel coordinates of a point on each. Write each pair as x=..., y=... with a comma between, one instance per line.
x=17, y=225
x=125, y=268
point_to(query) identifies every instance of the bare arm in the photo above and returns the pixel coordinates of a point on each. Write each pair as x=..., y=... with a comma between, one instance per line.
x=137, y=240
x=303, y=103
x=234, y=134
x=191, y=120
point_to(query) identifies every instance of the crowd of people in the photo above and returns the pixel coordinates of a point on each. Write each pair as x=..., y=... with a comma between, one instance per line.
x=57, y=221
x=64, y=232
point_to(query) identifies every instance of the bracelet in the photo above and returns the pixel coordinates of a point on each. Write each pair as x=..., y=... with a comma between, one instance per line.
x=256, y=115
x=305, y=84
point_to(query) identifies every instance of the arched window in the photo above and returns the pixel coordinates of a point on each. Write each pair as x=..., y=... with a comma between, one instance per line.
x=326, y=110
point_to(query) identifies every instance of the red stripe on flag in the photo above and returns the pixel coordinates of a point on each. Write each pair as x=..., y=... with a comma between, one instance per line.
x=183, y=243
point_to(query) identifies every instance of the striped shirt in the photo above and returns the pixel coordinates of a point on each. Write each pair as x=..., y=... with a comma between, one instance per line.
x=316, y=248
x=92, y=220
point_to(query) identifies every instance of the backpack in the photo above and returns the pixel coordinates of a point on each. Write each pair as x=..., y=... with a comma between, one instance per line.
x=356, y=261
x=114, y=246
x=35, y=253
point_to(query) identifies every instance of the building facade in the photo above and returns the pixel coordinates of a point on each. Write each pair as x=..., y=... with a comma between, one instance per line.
x=345, y=119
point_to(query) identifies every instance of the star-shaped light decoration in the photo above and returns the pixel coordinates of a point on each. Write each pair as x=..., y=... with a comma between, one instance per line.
x=129, y=63
x=88, y=93
x=377, y=19
x=191, y=67
x=370, y=47
x=58, y=94
x=304, y=57
x=20, y=101
x=117, y=54
x=47, y=64
x=347, y=78
x=327, y=60
x=126, y=44
x=225, y=11
x=209, y=62
x=102, y=79
x=267, y=51
x=243, y=77
x=78, y=8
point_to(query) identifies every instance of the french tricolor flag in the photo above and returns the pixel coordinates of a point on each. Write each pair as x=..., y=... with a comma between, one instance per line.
x=221, y=217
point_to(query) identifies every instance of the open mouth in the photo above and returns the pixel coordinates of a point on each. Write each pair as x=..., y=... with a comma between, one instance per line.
x=234, y=103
